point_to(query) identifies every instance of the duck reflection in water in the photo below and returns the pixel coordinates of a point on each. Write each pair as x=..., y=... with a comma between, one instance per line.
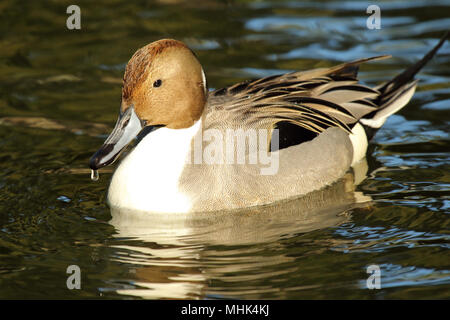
x=177, y=256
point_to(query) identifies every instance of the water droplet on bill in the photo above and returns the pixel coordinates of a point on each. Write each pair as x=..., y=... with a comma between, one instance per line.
x=94, y=175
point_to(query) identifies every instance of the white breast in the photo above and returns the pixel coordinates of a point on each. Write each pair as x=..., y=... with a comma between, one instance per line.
x=148, y=178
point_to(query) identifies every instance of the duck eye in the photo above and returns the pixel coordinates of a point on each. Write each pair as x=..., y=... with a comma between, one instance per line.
x=157, y=83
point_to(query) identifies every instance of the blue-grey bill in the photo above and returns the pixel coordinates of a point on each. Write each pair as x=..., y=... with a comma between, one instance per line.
x=126, y=129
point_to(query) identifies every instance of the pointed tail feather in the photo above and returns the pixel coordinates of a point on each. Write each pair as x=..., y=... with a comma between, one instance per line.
x=408, y=75
x=395, y=94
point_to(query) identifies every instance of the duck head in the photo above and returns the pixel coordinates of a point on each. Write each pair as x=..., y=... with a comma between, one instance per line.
x=163, y=86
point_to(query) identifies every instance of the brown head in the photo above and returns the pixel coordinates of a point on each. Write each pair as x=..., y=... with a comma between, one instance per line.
x=163, y=85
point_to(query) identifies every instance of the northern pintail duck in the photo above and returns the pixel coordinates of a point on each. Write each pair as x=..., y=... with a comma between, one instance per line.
x=300, y=132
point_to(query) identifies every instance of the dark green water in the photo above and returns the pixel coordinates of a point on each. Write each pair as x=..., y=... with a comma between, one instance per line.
x=59, y=96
